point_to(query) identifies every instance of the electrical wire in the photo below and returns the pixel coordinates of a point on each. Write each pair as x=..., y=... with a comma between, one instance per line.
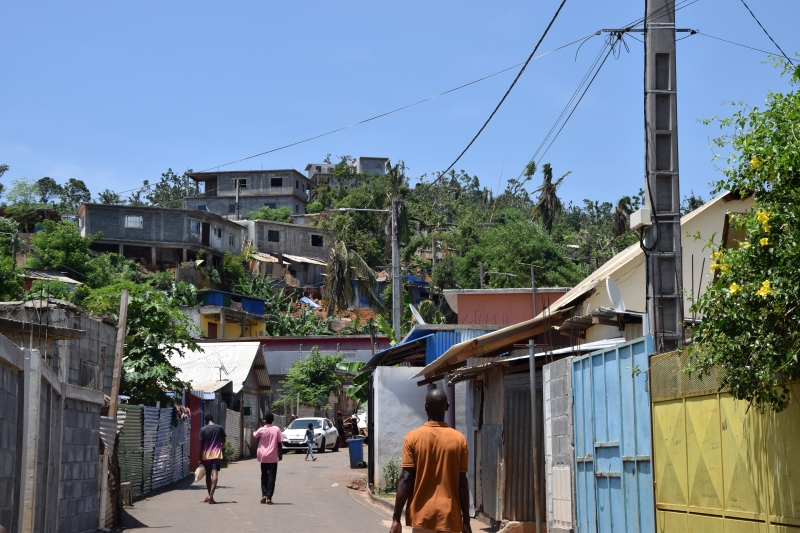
x=735, y=43
x=765, y=31
x=503, y=99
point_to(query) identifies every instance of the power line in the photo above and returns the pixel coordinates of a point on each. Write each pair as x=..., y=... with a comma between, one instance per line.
x=503, y=99
x=735, y=43
x=765, y=31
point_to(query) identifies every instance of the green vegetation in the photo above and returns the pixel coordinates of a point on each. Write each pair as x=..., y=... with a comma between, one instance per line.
x=281, y=214
x=391, y=475
x=314, y=378
x=751, y=311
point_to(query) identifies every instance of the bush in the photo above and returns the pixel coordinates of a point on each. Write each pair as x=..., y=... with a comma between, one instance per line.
x=229, y=451
x=282, y=214
x=391, y=475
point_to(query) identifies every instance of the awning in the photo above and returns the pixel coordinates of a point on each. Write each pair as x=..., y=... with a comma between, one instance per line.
x=490, y=344
x=398, y=354
x=300, y=259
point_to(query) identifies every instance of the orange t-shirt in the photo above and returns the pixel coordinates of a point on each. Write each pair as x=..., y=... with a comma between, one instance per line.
x=439, y=455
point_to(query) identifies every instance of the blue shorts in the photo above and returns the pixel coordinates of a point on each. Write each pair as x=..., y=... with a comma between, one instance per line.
x=212, y=464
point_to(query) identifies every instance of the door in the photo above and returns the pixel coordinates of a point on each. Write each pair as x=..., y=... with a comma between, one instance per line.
x=611, y=418
x=212, y=331
x=205, y=235
x=330, y=433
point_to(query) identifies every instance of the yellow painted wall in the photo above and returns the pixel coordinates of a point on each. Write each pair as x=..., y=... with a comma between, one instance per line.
x=233, y=330
x=722, y=468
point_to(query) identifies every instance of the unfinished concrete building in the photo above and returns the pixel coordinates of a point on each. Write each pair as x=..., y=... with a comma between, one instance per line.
x=256, y=189
x=322, y=173
x=159, y=236
x=77, y=346
x=279, y=238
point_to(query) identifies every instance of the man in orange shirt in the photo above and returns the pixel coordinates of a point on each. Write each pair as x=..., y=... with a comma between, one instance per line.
x=434, y=478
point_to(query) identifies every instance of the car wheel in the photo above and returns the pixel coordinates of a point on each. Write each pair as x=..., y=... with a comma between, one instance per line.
x=336, y=446
x=321, y=446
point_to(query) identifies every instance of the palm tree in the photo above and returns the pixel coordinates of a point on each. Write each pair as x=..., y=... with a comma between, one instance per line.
x=548, y=204
x=347, y=269
x=621, y=214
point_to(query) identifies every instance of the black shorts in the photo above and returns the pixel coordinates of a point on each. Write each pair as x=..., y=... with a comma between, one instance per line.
x=212, y=464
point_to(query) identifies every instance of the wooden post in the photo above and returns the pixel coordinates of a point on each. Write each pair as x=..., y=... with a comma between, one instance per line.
x=115, y=381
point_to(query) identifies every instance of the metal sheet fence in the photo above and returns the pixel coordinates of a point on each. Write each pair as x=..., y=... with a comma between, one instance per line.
x=153, y=448
x=719, y=464
x=614, y=477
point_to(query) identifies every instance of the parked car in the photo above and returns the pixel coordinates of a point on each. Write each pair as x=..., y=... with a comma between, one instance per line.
x=325, y=435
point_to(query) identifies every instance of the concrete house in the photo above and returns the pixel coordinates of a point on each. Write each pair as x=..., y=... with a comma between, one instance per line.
x=275, y=238
x=257, y=188
x=157, y=234
x=321, y=173
x=224, y=315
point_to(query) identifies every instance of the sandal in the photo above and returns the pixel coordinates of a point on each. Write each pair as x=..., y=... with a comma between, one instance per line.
x=211, y=501
x=269, y=501
x=264, y=499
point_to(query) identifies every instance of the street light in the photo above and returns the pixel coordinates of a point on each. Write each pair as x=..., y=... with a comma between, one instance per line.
x=397, y=293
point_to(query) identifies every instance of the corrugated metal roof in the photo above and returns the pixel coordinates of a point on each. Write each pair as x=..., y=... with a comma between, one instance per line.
x=300, y=259
x=209, y=385
x=217, y=358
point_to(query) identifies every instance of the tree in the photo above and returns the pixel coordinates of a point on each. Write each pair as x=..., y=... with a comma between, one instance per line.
x=750, y=311
x=74, y=193
x=48, y=189
x=170, y=190
x=156, y=331
x=3, y=170
x=691, y=202
x=621, y=215
x=314, y=378
x=281, y=214
x=23, y=197
x=42, y=289
x=10, y=282
x=548, y=204
x=109, y=197
x=60, y=247
x=135, y=198
x=345, y=270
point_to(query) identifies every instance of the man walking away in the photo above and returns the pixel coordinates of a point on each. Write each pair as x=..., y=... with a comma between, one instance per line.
x=212, y=440
x=339, y=423
x=270, y=451
x=434, y=478
x=310, y=442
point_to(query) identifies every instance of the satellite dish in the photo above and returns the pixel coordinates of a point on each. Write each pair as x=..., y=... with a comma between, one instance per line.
x=615, y=296
x=416, y=314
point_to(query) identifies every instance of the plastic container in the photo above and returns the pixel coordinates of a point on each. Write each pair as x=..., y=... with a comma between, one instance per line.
x=356, y=449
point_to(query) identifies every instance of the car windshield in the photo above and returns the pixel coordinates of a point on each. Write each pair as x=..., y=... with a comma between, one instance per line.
x=302, y=423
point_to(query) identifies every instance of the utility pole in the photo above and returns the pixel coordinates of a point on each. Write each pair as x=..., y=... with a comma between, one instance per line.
x=663, y=238
x=237, y=199
x=121, y=326
x=397, y=291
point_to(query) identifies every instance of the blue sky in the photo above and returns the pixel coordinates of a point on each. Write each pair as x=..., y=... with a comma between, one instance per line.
x=116, y=92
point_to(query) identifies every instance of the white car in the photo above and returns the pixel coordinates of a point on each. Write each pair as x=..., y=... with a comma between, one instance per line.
x=325, y=435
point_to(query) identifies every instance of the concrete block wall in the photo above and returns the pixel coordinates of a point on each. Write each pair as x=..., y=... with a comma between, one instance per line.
x=222, y=205
x=10, y=434
x=78, y=487
x=293, y=239
x=559, y=446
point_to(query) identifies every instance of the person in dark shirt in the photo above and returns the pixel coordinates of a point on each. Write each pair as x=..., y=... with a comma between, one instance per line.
x=340, y=428
x=212, y=440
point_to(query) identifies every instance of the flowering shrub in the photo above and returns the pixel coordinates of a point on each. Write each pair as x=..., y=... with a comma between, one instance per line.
x=751, y=310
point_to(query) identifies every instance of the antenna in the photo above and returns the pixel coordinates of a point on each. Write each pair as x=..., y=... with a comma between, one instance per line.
x=615, y=296
x=416, y=314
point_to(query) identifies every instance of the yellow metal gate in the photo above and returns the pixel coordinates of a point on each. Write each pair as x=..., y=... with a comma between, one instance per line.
x=720, y=467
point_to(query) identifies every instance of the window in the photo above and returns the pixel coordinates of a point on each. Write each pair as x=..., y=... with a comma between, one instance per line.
x=202, y=208
x=242, y=183
x=319, y=168
x=276, y=182
x=89, y=375
x=194, y=226
x=273, y=236
x=231, y=241
x=134, y=221
x=296, y=184
x=231, y=208
x=296, y=209
x=316, y=240
x=218, y=233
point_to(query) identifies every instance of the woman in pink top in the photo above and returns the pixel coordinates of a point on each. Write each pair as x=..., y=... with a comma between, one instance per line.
x=270, y=451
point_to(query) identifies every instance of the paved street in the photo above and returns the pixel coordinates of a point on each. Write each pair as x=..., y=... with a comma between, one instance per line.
x=305, y=500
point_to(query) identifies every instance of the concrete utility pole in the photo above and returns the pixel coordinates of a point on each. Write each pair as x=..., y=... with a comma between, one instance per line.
x=115, y=380
x=397, y=291
x=237, y=199
x=663, y=238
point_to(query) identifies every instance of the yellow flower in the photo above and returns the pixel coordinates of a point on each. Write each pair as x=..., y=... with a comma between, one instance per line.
x=764, y=241
x=763, y=217
x=716, y=255
x=713, y=267
x=734, y=288
x=744, y=245
x=764, y=290
x=755, y=162
x=725, y=268
x=767, y=227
